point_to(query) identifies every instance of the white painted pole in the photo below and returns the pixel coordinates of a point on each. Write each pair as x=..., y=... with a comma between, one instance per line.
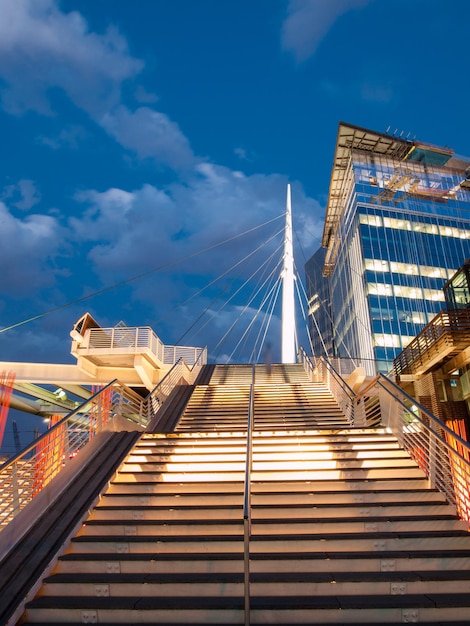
x=288, y=302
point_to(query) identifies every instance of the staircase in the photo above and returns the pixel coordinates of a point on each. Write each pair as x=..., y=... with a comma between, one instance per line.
x=345, y=528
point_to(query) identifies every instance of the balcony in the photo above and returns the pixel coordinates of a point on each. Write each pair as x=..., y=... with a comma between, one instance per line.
x=447, y=336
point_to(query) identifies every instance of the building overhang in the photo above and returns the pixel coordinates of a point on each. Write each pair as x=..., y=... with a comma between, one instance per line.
x=351, y=138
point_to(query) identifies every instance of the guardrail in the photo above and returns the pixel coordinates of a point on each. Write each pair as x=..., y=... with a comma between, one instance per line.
x=446, y=328
x=128, y=339
x=192, y=356
x=322, y=371
x=137, y=339
x=26, y=474
x=180, y=373
x=440, y=452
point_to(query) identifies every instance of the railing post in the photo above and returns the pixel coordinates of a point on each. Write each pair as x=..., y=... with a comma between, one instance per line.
x=15, y=492
x=359, y=413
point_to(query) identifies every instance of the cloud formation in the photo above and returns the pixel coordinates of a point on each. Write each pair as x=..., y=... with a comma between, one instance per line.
x=122, y=227
x=308, y=23
x=41, y=47
x=24, y=195
x=119, y=231
x=28, y=249
x=149, y=134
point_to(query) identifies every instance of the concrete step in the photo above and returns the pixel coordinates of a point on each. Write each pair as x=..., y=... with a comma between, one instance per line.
x=146, y=514
x=212, y=474
x=358, y=487
x=163, y=528
x=264, y=610
x=423, y=565
x=223, y=584
x=265, y=462
x=176, y=489
x=314, y=514
x=265, y=527
x=218, y=584
x=187, y=563
x=447, y=564
x=164, y=545
x=127, y=611
x=359, y=544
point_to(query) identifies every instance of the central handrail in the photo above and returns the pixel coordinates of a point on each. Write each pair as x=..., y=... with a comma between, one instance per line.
x=247, y=499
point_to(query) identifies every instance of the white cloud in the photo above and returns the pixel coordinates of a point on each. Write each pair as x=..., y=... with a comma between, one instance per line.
x=308, y=22
x=28, y=247
x=144, y=97
x=149, y=133
x=130, y=231
x=69, y=137
x=29, y=195
x=22, y=195
x=42, y=47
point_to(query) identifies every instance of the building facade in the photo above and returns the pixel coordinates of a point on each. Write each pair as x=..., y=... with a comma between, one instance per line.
x=397, y=227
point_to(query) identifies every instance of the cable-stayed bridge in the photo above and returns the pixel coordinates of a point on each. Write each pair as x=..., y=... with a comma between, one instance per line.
x=188, y=492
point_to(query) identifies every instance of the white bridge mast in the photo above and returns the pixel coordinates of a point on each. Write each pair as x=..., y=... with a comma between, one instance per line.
x=288, y=302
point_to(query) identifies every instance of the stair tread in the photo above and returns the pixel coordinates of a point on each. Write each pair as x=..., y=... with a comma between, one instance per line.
x=257, y=603
x=269, y=556
x=221, y=577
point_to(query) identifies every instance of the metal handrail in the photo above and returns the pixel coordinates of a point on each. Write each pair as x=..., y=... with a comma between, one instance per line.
x=247, y=499
x=29, y=471
x=26, y=474
x=198, y=363
x=439, y=451
x=179, y=373
x=162, y=390
x=323, y=371
x=448, y=325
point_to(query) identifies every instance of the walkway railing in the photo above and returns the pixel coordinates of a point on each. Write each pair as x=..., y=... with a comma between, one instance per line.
x=180, y=373
x=135, y=340
x=26, y=474
x=192, y=356
x=125, y=339
x=440, y=452
x=323, y=371
x=447, y=329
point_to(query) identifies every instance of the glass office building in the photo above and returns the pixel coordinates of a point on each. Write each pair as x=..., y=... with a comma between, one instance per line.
x=397, y=227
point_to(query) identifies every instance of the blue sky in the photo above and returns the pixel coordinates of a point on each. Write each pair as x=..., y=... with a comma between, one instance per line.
x=135, y=134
